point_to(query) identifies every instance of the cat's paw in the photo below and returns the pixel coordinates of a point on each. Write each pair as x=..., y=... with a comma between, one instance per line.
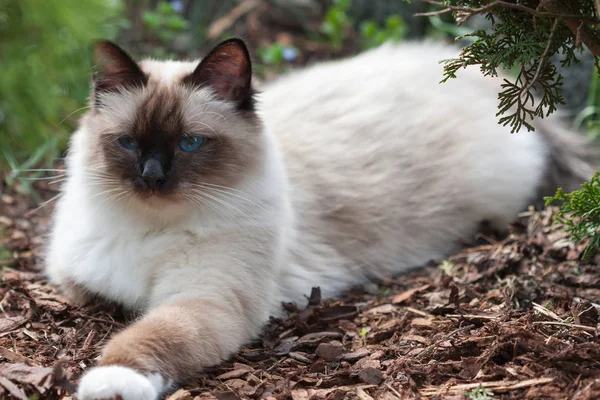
x=115, y=382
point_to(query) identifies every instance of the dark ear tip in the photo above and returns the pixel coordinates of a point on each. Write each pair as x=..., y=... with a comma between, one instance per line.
x=101, y=44
x=107, y=49
x=234, y=41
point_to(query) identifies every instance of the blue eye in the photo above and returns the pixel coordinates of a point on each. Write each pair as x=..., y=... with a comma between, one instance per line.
x=191, y=143
x=127, y=142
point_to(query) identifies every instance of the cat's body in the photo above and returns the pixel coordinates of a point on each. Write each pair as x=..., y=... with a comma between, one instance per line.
x=363, y=167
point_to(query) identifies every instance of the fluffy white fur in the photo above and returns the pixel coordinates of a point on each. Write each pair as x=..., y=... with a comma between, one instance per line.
x=370, y=167
x=108, y=382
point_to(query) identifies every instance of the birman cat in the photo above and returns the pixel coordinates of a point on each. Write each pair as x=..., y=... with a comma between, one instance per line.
x=203, y=204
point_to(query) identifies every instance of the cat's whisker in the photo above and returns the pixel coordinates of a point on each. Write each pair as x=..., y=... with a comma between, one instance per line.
x=208, y=112
x=106, y=191
x=45, y=203
x=82, y=108
x=41, y=178
x=227, y=190
x=223, y=205
x=230, y=196
x=19, y=171
x=114, y=198
x=57, y=181
x=200, y=200
x=218, y=207
x=192, y=200
x=240, y=227
x=236, y=205
x=102, y=178
x=242, y=212
x=209, y=127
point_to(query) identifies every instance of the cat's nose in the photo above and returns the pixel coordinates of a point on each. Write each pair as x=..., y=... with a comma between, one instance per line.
x=153, y=173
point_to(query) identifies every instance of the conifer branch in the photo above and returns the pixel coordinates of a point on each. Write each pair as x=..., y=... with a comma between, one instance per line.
x=471, y=11
x=524, y=34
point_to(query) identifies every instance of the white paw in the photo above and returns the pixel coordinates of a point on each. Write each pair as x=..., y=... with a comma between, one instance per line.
x=112, y=382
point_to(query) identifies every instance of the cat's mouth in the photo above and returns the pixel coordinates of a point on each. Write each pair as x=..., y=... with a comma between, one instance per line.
x=155, y=196
x=163, y=191
x=156, y=199
x=150, y=194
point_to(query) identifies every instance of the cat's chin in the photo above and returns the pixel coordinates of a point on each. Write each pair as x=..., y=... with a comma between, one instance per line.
x=160, y=207
x=159, y=200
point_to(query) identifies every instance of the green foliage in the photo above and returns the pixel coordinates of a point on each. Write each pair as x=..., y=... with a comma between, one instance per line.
x=480, y=393
x=276, y=54
x=589, y=117
x=337, y=22
x=45, y=60
x=165, y=24
x=580, y=213
x=372, y=35
x=447, y=267
x=522, y=38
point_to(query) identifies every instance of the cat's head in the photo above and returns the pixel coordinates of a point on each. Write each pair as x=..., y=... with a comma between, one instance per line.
x=166, y=132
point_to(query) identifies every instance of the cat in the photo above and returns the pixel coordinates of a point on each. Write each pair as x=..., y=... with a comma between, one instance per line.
x=203, y=204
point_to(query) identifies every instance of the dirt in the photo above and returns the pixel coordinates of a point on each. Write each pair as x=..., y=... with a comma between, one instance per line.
x=516, y=317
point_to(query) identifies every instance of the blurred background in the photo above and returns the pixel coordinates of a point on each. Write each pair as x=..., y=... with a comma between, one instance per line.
x=45, y=52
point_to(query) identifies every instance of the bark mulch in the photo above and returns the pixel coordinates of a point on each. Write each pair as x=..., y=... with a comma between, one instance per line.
x=516, y=318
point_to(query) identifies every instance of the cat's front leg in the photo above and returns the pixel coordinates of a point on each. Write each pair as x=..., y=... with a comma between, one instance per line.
x=171, y=343
x=204, y=315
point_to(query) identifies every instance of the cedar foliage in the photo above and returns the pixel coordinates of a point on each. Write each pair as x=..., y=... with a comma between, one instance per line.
x=525, y=34
x=580, y=213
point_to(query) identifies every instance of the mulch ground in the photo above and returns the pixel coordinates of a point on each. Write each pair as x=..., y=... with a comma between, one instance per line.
x=517, y=318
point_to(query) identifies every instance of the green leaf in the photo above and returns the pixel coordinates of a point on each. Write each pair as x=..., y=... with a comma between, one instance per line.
x=165, y=8
x=272, y=55
x=394, y=22
x=580, y=213
x=151, y=19
x=176, y=23
x=368, y=29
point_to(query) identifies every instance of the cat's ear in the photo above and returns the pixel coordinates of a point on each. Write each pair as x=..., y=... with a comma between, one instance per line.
x=227, y=70
x=115, y=69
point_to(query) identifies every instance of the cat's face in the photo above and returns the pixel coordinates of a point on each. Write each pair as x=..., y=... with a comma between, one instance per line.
x=170, y=131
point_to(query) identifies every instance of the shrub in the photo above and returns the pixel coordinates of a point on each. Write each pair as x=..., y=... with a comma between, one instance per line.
x=45, y=60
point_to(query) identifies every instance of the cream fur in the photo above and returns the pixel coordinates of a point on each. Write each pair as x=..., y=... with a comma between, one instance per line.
x=369, y=167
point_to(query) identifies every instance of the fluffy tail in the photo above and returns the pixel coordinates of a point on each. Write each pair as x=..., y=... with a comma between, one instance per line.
x=573, y=158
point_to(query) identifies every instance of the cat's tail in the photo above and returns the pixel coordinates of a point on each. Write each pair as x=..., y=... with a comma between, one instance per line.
x=572, y=160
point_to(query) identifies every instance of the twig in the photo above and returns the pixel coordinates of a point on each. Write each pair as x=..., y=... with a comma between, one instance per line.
x=496, y=386
x=587, y=36
x=566, y=324
x=219, y=26
x=435, y=344
x=473, y=316
x=418, y=312
x=542, y=60
x=470, y=11
x=393, y=390
x=541, y=309
x=16, y=357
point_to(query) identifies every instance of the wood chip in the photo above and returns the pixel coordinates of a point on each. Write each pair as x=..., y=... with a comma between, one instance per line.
x=402, y=297
x=329, y=352
x=371, y=376
x=236, y=373
x=496, y=386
